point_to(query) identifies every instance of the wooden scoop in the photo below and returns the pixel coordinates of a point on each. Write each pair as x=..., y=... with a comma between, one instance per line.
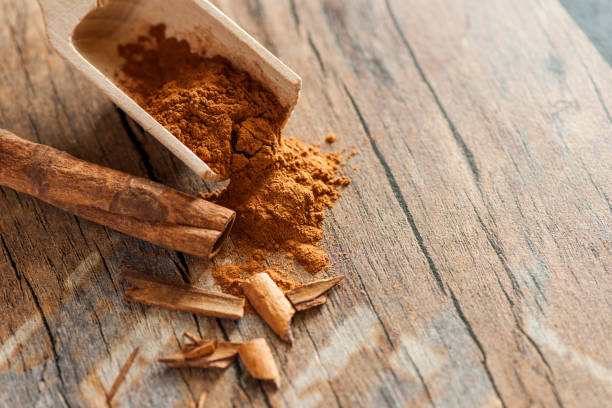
x=88, y=32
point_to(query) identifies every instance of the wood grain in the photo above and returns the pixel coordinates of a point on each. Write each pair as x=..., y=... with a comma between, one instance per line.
x=477, y=225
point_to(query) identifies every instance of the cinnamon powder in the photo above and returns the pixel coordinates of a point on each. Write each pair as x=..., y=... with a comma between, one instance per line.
x=278, y=187
x=223, y=115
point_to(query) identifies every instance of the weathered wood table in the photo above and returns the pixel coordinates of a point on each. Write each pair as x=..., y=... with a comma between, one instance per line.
x=478, y=225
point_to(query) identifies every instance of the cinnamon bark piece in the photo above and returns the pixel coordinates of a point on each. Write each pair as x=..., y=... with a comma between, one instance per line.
x=193, y=338
x=200, y=350
x=259, y=361
x=222, y=357
x=122, y=374
x=202, y=399
x=135, y=206
x=197, y=347
x=194, y=351
x=155, y=291
x=270, y=303
x=312, y=294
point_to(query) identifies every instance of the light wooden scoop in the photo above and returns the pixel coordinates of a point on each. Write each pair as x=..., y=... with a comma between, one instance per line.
x=87, y=33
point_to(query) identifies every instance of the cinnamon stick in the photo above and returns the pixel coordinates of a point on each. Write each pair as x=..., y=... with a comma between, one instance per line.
x=159, y=292
x=270, y=303
x=312, y=294
x=135, y=206
x=259, y=361
x=221, y=357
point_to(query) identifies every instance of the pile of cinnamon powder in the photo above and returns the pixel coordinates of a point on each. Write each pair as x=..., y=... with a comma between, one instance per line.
x=279, y=187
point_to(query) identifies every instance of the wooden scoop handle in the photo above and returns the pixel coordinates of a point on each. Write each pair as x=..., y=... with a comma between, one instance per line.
x=135, y=206
x=67, y=13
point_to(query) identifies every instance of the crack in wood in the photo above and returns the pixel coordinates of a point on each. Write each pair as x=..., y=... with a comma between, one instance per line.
x=184, y=271
x=492, y=239
x=548, y=374
x=517, y=322
x=316, y=52
x=478, y=344
x=421, y=379
x=458, y=138
x=294, y=13
x=45, y=322
x=257, y=11
x=327, y=379
x=598, y=93
x=397, y=193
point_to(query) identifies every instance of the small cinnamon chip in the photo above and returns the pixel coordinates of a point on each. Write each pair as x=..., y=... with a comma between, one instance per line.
x=312, y=294
x=271, y=304
x=122, y=374
x=202, y=399
x=154, y=291
x=221, y=357
x=258, y=359
x=200, y=350
x=194, y=339
x=197, y=347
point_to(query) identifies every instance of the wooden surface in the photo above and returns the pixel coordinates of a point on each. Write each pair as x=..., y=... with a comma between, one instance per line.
x=477, y=226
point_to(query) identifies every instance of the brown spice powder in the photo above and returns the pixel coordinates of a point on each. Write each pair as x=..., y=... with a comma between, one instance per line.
x=331, y=138
x=221, y=113
x=279, y=188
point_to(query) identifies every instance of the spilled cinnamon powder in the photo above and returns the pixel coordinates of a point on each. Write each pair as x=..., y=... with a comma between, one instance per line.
x=231, y=276
x=278, y=187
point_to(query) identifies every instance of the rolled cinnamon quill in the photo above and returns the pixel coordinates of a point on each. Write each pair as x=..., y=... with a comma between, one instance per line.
x=270, y=303
x=135, y=206
x=159, y=292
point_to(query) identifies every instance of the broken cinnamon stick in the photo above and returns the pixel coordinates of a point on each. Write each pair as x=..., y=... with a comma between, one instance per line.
x=259, y=361
x=122, y=374
x=155, y=291
x=135, y=206
x=312, y=294
x=271, y=304
x=222, y=357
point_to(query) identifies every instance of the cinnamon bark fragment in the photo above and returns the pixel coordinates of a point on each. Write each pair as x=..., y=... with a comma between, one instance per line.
x=200, y=350
x=221, y=357
x=312, y=294
x=202, y=399
x=135, y=206
x=259, y=361
x=192, y=337
x=122, y=374
x=155, y=291
x=270, y=303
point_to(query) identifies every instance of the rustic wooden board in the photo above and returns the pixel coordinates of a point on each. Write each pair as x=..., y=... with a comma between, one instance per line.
x=478, y=223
